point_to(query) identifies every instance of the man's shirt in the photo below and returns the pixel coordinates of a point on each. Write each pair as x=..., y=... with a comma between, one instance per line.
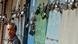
x=15, y=40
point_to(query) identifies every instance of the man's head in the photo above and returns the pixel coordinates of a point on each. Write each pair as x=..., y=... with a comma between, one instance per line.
x=11, y=28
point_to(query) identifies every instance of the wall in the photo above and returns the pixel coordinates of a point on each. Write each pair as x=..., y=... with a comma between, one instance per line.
x=69, y=27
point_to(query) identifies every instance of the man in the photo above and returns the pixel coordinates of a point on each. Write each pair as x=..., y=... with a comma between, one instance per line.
x=13, y=39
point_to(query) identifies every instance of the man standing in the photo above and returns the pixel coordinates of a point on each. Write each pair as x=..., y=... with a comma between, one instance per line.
x=13, y=39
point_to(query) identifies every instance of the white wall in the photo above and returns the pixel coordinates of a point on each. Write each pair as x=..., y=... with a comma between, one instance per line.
x=69, y=27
